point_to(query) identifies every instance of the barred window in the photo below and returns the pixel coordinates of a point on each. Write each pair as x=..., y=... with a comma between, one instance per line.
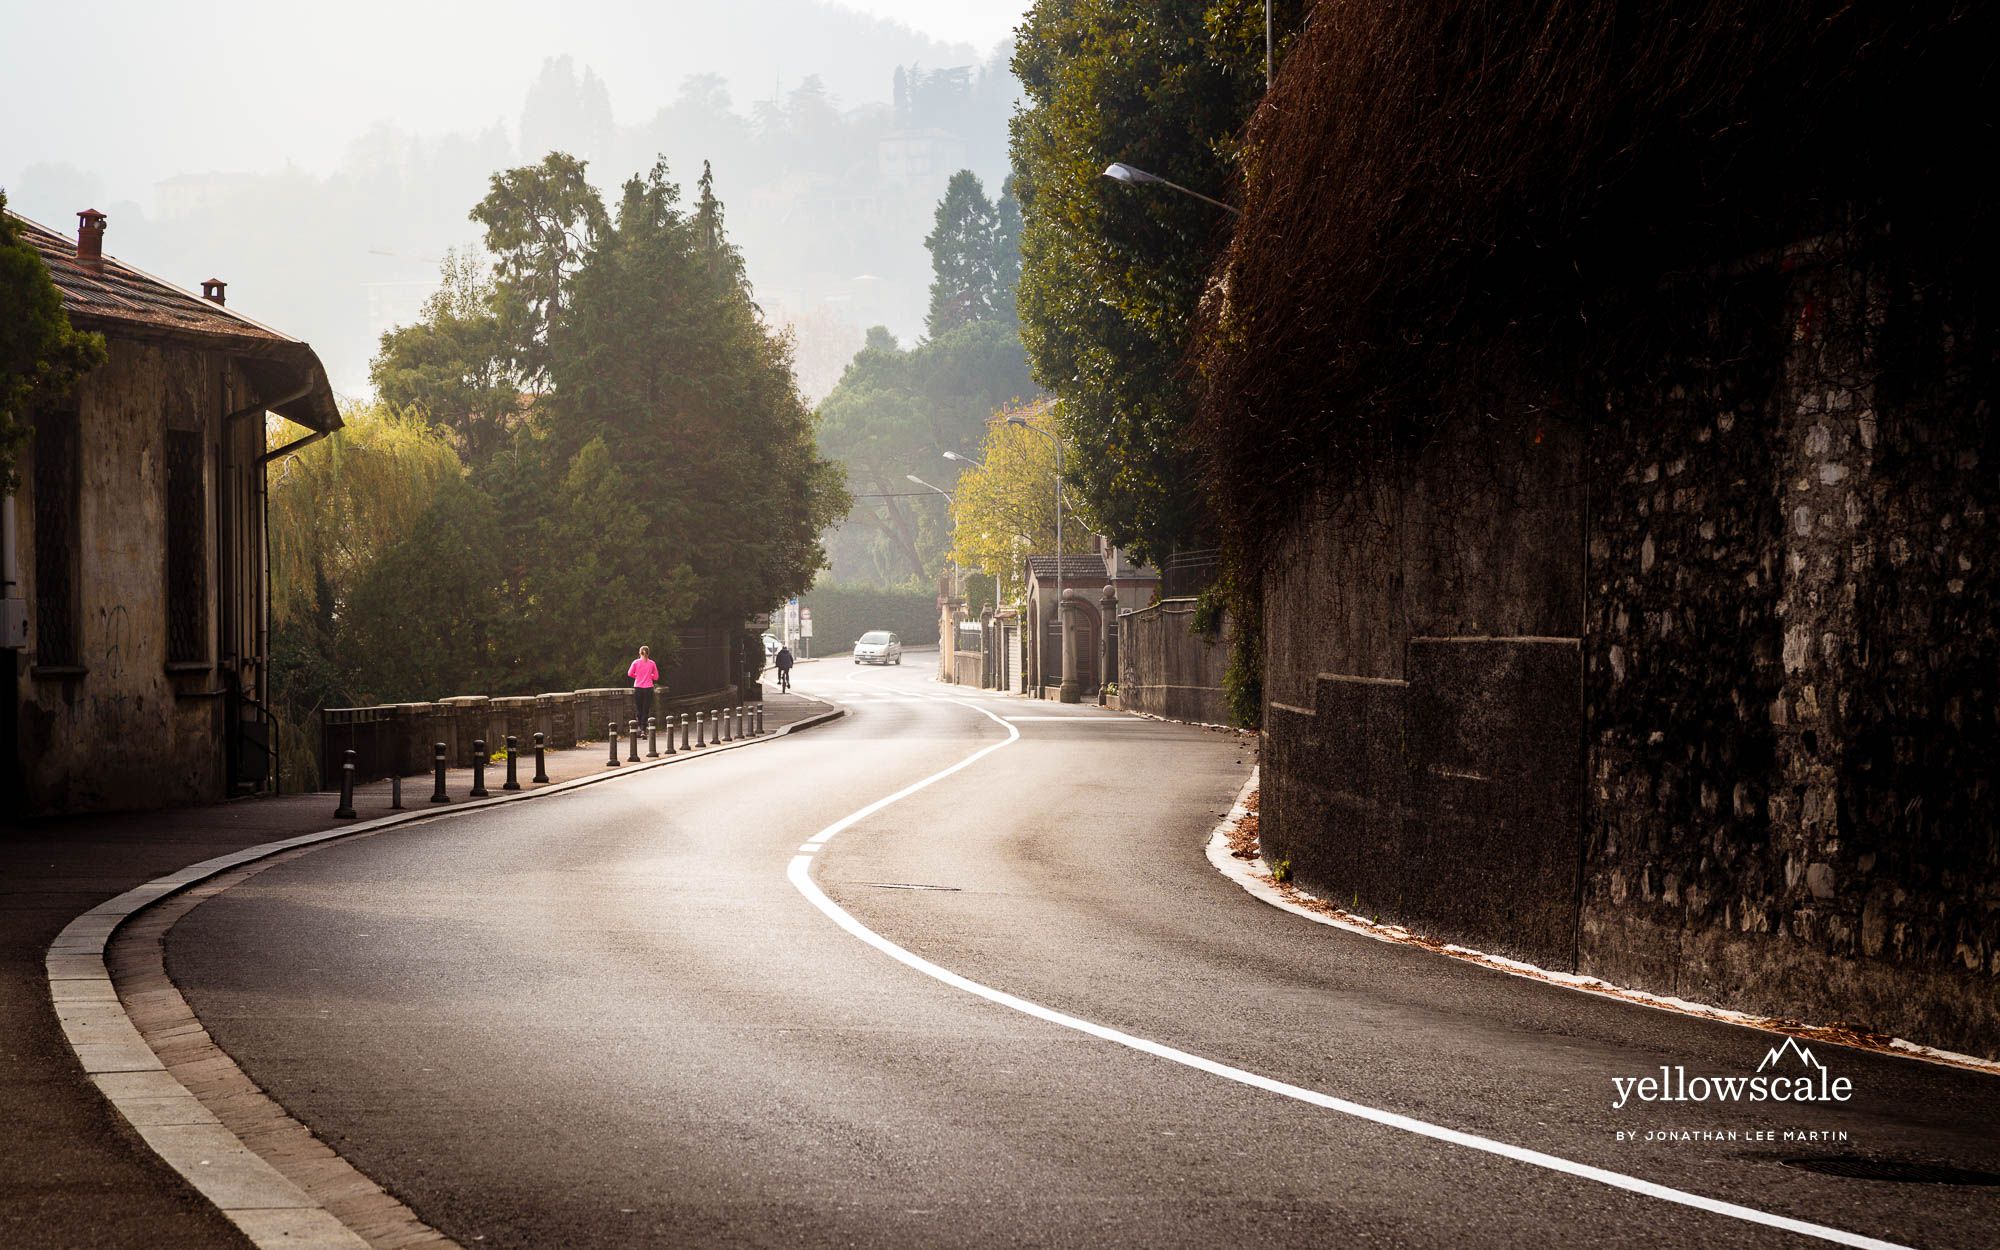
x=187, y=548
x=56, y=545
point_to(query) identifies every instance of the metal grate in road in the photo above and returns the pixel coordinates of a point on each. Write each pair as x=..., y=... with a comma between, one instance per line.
x=1854, y=1168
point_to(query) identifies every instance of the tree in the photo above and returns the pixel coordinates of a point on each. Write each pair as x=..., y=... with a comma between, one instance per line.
x=541, y=222
x=663, y=356
x=41, y=355
x=1005, y=508
x=965, y=285
x=1111, y=274
x=896, y=412
x=454, y=363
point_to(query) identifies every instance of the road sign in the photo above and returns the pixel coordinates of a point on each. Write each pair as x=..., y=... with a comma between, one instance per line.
x=805, y=623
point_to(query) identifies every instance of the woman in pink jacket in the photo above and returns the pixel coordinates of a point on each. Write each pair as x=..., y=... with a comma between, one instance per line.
x=644, y=674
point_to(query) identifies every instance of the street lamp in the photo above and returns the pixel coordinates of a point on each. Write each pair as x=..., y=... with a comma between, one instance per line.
x=1066, y=692
x=1119, y=171
x=927, y=486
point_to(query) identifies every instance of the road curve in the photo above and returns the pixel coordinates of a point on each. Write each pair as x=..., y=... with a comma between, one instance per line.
x=608, y=1018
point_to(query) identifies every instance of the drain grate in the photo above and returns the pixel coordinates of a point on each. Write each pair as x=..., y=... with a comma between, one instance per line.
x=1892, y=1170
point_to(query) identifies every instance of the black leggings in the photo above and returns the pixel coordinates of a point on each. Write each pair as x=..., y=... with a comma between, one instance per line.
x=645, y=694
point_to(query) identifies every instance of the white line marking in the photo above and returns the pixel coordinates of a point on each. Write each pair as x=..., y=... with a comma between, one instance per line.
x=1085, y=719
x=800, y=874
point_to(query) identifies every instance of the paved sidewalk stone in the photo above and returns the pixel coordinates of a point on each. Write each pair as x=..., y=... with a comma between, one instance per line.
x=73, y=1173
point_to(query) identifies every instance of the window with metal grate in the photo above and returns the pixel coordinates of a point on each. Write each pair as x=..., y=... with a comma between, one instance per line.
x=187, y=548
x=56, y=547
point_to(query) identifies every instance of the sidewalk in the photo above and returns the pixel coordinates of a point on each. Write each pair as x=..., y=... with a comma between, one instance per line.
x=72, y=1172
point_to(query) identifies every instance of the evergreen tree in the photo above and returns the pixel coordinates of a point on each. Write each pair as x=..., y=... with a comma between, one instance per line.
x=966, y=279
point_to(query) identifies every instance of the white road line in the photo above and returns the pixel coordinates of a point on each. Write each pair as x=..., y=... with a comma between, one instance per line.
x=800, y=875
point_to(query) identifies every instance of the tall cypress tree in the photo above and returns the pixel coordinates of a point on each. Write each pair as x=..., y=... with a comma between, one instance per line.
x=965, y=285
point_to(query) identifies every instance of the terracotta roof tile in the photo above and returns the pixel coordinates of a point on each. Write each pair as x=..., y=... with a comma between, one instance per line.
x=122, y=301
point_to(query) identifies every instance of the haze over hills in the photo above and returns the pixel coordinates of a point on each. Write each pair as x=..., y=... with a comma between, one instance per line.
x=323, y=169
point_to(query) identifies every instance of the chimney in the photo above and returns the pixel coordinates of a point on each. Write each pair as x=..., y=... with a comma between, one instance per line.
x=90, y=240
x=212, y=290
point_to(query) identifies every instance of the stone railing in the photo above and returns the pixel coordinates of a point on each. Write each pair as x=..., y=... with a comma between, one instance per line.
x=398, y=739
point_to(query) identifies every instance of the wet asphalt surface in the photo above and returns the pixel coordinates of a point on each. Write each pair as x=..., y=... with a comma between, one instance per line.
x=607, y=1018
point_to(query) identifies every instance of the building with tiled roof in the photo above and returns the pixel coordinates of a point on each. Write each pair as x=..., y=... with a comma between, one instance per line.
x=135, y=603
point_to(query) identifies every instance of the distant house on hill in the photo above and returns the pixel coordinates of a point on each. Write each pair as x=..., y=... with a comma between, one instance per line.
x=135, y=546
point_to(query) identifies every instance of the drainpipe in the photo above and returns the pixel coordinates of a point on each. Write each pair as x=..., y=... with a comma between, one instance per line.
x=15, y=604
x=263, y=644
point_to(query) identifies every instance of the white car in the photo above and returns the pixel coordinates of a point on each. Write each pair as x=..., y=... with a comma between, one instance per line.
x=878, y=646
x=770, y=646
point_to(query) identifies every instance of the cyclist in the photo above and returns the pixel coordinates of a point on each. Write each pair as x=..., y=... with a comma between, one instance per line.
x=784, y=663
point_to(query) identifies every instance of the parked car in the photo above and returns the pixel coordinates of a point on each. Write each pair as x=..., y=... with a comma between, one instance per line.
x=878, y=646
x=770, y=646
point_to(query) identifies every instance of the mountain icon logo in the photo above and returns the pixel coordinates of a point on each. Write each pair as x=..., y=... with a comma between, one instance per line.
x=1790, y=1045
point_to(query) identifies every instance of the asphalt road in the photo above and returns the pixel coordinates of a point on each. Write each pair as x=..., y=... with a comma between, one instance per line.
x=610, y=1017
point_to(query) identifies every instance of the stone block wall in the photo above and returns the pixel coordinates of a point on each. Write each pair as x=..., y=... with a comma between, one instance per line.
x=1706, y=683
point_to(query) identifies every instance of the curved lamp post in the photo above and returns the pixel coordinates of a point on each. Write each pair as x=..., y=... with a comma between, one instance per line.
x=1119, y=171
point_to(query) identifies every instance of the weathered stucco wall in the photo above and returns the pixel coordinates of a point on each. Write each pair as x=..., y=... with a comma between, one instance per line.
x=1701, y=699
x=1168, y=668
x=126, y=732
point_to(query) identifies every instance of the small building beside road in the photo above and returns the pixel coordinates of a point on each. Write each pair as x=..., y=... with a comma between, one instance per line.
x=136, y=672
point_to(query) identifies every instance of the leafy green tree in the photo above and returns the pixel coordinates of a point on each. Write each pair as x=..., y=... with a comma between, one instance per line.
x=663, y=356
x=541, y=222
x=423, y=620
x=454, y=363
x=1111, y=274
x=895, y=413
x=966, y=278
x=41, y=355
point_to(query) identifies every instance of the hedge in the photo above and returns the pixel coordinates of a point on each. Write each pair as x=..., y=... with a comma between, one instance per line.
x=842, y=614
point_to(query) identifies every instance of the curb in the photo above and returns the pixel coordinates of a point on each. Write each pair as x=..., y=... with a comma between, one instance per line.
x=268, y=1207
x=1259, y=885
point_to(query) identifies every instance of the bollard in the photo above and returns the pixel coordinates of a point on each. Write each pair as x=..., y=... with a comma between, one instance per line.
x=670, y=733
x=346, y=809
x=437, y=762
x=723, y=712
x=652, y=737
x=395, y=792
x=612, y=735
x=478, y=768
x=760, y=718
x=698, y=740
x=743, y=720
x=633, y=758
x=541, y=761
x=684, y=731
x=513, y=776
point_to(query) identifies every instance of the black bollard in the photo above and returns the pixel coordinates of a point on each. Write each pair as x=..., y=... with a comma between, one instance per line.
x=479, y=768
x=723, y=735
x=670, y=733
x=652, y=737
x=395, y=792
x=633, y=756
x=541, y=760
x=684, y=731
x=757, y=720
x=760, y=718
x=346, y=809
x=612, y=735
x=437, y=763
x=698, y=739
x=513, y=774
